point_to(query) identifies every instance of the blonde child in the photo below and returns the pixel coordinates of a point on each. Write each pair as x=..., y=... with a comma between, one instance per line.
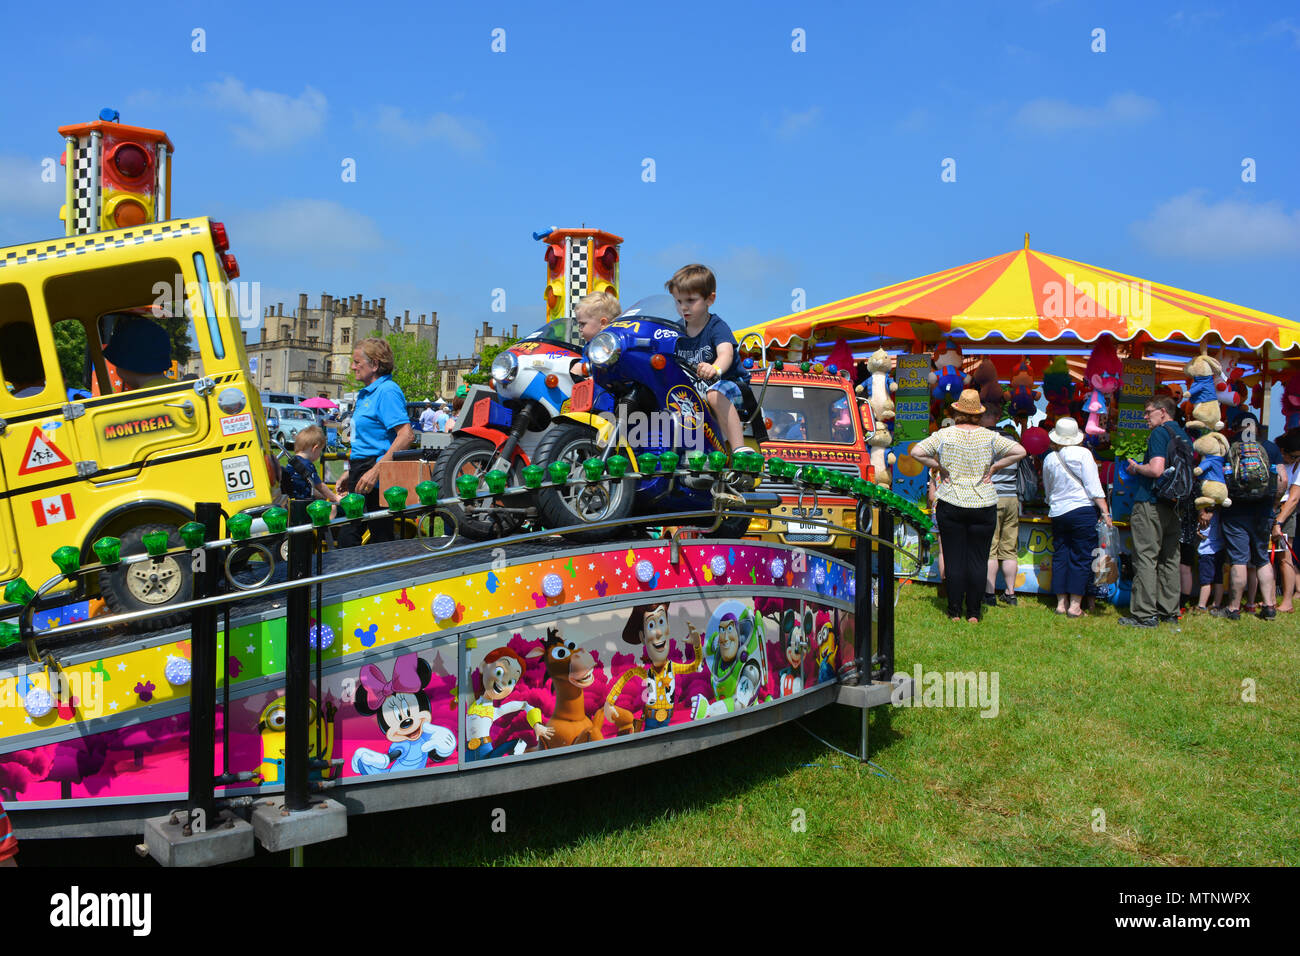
x=593, y=313
x=300, y=478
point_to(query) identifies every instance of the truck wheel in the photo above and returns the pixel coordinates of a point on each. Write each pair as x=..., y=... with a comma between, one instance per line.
x=733, y=527
x=469, y=455
x=148, y=585
x=580, y=503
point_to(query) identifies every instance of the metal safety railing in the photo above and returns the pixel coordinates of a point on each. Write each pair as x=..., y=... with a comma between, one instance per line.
x=217, y=563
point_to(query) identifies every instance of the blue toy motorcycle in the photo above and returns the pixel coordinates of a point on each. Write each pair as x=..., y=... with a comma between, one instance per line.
x=659, y=407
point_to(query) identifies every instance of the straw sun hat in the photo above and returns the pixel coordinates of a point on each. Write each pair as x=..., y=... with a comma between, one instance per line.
x=1066, y=432
x=969, y=403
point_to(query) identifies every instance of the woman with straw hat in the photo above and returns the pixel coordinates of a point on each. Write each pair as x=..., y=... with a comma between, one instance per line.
x=967, y=456
x=1075, y=501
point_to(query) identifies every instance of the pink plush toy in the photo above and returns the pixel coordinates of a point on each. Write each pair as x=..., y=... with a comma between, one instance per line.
x=1102, y=375
x=1291, y=400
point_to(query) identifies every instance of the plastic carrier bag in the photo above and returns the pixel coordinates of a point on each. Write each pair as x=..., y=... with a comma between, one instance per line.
x=1105, y=563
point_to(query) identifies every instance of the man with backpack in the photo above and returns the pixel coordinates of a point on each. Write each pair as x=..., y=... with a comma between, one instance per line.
x=1251, y=473
x=1160, y=482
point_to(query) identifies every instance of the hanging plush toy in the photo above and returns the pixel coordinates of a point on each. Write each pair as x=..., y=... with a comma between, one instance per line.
x=1225, y=388
x=1291, y=400
x=986, y=381
x=1206, y=413
x=1058, y=389
x=879, y=388
x=1213, y=448
x=947, y=378
x=1022, y=395
x=1101, y=375
x=882, y=459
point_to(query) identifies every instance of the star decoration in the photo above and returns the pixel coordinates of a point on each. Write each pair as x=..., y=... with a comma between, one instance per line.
x=121, y=665
x=250, y=649
x=112, y=705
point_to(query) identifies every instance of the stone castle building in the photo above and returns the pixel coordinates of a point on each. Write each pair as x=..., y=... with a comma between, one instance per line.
x=309, y=351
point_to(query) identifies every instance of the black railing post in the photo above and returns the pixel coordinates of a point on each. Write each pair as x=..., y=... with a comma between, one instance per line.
x=297, y=669
x=203, y=671
x=885, y=599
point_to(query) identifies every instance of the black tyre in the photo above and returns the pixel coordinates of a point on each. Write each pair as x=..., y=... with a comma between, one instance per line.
x=581, y=503
x=469, y=455
x=733, y=527
x=148, y=585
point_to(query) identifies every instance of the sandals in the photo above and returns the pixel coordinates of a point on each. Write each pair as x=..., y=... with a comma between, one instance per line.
x=1071, y=614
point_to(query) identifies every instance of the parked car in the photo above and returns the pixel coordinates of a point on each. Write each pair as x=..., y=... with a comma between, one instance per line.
x=283, y=423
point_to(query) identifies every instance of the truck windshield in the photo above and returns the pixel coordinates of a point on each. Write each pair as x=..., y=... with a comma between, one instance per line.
x=808, y=413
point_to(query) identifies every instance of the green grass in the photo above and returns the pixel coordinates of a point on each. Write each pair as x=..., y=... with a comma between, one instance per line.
x=1147, y=726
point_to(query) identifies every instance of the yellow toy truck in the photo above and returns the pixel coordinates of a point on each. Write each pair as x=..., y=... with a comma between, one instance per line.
x=89, y=449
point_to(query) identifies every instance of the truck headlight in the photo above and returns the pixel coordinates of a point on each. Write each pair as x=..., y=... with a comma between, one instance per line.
x=603, y=349
x=504, y=367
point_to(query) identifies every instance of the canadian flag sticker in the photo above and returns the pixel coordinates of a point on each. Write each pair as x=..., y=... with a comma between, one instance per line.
x=54, y=509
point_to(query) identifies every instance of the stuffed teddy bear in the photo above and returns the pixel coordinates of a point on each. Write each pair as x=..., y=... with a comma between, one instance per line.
x=1022, y=395
x=879, y=387
x=1206, y=413
x=1213, y=448
x=947, y=379
x=1057, y=389
x=985, y=380
x=882, y=459
x=1101, y=375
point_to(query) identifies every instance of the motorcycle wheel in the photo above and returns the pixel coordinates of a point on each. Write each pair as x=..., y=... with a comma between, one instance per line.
x=580, y=503
x=469, y=455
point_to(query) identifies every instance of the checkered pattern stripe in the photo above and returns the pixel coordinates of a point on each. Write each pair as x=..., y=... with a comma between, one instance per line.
x=578, y=274
x=85, y=214
x=81, y=245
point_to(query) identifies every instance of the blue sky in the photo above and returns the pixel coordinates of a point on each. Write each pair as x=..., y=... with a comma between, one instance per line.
x=817, y=170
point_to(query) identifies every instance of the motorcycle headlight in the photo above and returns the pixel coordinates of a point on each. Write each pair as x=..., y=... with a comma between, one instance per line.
x=603, y=349
x=504, y=367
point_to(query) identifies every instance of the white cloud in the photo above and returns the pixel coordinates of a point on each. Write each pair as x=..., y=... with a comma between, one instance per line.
x=22, y=189
x=306, y=228
x=1286, y=27
x=792, y=124
x=269, y=120
x=461, y=134
x=1047, y=115
x=1188, y=227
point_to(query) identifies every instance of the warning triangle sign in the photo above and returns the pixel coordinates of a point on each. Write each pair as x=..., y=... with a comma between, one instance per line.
x=41, y=454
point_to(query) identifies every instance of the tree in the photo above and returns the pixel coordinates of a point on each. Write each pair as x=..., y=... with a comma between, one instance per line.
x=484, y=372
x=415, y=368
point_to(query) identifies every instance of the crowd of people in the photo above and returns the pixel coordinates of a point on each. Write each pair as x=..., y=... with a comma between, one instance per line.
x=1182, y=543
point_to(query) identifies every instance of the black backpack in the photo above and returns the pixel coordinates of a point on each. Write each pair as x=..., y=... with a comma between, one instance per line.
x=1177, y=484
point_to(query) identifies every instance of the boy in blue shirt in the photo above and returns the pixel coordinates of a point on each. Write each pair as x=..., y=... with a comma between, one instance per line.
x=709, y=347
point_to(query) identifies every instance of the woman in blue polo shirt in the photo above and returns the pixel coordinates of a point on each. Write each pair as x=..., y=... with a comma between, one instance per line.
x=380, y=429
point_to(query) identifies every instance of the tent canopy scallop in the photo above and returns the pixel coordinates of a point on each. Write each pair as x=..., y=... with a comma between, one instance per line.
x=1028, y=294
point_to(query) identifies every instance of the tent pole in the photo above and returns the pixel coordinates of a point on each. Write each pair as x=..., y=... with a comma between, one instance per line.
x=1268, y=399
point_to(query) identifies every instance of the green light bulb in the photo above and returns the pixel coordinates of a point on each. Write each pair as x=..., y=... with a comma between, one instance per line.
x=559, y=472
x=18, y=591
x=194, y=534
x=696, y=461
x=67, y=559
x=647, y=462
x=534, y=475
x=717, y=460
x=319, y=513
x=617, y=466
x=395, y=497
x=155, y=542
x=496, y=481
x=467, y=487
x=427, y=492
x=108, y=550
x=668, y=462
x=593, y=468
x=239, y=527
x=8, y=633
x=353, y=505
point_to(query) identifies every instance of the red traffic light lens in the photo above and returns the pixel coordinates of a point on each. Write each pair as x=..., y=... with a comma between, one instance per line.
x=130, y=213
x=230, y=265
x=131, y=161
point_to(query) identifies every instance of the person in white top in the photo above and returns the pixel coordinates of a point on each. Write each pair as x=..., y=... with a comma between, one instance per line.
x=1284, y=529
x=1075, y=499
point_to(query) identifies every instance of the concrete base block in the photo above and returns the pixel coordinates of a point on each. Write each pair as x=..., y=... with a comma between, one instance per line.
x=875, y=694
x=279, y=830
x=228, y=841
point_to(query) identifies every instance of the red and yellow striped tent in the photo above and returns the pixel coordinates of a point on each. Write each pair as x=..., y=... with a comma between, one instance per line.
x=1016, y=301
